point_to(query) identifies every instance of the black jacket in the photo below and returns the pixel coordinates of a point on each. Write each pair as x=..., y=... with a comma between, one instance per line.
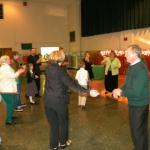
x=33, y=60
x=30, y=77
x=56, y=87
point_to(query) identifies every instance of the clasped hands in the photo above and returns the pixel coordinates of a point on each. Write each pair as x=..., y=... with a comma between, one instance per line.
x=92, y=93
x=116, y=93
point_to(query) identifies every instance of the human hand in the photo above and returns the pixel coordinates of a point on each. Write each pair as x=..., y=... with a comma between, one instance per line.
x=116, y=93
x=83, y=94
x=36, y=77
x=94, y=93
x=21, y=70
x=39, y=61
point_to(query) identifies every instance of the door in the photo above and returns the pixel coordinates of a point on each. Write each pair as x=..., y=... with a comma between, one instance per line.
x=6, y=51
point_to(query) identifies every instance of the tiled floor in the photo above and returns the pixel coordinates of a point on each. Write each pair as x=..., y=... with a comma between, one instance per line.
x=102, y=126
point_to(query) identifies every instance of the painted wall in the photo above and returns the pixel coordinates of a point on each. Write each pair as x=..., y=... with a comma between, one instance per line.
x=39, y=23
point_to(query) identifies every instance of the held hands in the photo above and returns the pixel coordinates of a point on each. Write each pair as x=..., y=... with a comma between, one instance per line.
x=83, y=94
x=92, y=93
x=117, y=93
x=36, y=77
x=21, y=70
x=39, y=61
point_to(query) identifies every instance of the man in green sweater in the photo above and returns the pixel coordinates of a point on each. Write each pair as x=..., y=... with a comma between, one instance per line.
x=136, y=90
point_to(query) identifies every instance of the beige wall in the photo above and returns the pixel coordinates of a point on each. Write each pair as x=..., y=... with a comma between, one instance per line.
x=74, y=25
x=117, y=41
x=39, y=23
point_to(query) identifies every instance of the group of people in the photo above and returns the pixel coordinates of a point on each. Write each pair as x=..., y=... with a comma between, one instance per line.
x=57, y=82
x=12, y=73
x=135, y=88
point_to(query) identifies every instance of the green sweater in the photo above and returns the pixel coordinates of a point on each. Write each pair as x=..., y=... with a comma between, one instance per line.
x=136, y=87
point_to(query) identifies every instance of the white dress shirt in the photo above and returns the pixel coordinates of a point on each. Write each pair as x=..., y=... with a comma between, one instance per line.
x=82, y=76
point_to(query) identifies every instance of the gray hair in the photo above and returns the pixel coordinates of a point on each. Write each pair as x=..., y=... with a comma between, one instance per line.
x=4, y=59
x=136, y=48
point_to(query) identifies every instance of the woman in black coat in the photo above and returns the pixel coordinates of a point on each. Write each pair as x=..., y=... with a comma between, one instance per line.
x=88, y=65
x=57, y=99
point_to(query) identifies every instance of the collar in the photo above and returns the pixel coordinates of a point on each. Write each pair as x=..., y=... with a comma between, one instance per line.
x=135, y=62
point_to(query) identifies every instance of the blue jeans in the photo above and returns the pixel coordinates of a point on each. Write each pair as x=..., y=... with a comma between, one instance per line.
x=17, y=98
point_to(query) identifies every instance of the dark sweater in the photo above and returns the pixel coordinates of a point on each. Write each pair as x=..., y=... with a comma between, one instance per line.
x=57, y=83
x=136, y=87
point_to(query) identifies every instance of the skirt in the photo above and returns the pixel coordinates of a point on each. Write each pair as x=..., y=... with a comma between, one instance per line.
x=31, y=88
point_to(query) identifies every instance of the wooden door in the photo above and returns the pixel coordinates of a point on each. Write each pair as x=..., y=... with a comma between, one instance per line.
x=6, y=51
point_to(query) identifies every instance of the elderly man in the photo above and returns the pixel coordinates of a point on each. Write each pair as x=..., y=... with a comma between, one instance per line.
x=135, y=89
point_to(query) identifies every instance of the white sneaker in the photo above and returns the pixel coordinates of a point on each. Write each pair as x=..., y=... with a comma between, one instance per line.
x=0, y=140
x=32, y=102
x=69, y=142
x=18, y=109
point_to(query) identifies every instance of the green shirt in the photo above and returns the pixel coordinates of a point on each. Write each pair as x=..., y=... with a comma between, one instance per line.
x=136, y=87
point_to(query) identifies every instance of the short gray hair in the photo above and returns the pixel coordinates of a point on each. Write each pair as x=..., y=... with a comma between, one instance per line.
x=4, y=59
x=136, y=48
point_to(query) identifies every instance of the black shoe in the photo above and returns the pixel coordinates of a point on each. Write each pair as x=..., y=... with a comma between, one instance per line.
x=37, y=95
x=83, y=107
x=14, y=117
x=106, y=92
x=54, y=148
x=10, y=123
x=63, y=146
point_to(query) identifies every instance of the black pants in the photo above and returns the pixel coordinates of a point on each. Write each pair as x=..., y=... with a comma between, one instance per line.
x=58, y=121
x=111, y=82
x=138, y=118
x=38, y=85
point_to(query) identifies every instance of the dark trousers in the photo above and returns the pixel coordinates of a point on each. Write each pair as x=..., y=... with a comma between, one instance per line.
x=111, y=82
x=38, y=84
x=58, y=121
x=138, y=118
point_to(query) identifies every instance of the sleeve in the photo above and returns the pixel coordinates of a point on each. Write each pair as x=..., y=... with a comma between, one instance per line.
x=103, y=62
x=87, y=76
x=123, y=90
x=118, y=63
x=69, y=82
x=77, y=75
x=31, y=60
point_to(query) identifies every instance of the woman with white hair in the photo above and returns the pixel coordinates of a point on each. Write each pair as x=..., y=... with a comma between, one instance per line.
x=8, y=86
